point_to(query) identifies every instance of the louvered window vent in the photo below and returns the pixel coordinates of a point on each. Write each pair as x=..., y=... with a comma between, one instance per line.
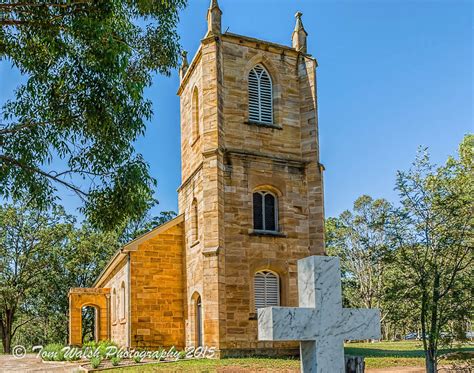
x=260, y=96
x=267, y=289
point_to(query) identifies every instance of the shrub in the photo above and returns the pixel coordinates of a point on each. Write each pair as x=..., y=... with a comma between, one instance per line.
x=95, y=362
x=157, y=354
x=53, y=352
x=115, y=361
x=103, y=346
x=74, y=354
x=100, y=346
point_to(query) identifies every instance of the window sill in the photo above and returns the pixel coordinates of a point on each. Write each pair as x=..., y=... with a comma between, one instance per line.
x=257, y=232
x=194, y=243
x=263, y=124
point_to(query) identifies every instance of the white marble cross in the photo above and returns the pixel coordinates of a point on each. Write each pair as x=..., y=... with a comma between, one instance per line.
x=320, y=323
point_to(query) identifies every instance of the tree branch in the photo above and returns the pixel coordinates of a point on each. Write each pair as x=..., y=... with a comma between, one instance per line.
x=20, y=325
x=21, y=165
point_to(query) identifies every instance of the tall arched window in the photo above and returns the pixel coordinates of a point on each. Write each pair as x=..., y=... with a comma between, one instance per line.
x=123, y=306
x=198, y=321
x=266, y=289
x=195, y=113
x=194, y=221
x=265, y=211
x=260, y=96
x=114, y=306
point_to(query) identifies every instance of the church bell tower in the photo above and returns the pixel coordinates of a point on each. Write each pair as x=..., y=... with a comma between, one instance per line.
x=251, y=182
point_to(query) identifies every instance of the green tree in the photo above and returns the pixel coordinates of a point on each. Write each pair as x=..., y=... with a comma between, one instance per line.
x=73, y=123
x=145, y=224
x=433, y=236
x=30, y=241
x=360, y=239
x=83, y=256
x=76, y=262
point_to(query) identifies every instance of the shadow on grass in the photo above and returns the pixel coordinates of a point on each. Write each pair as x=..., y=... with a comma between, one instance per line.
x=377, y=352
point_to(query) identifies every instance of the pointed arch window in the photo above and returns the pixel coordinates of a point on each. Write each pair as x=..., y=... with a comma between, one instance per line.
x=122, y=301
x=265, y=211
x=194, y=221
x=114, y=306
x=195, y=113
x=260, y=96
x=198, y=322
x=266, y=289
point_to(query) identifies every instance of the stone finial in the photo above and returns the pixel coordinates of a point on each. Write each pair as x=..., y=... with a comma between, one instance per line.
x=184, y=64
x=299, y=35
x=214, y=14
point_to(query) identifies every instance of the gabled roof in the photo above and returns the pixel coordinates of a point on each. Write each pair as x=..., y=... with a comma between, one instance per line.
x=133, y=246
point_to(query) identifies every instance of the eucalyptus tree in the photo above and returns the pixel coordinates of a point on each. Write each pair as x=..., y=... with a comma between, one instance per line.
x=73, y=122
x=143, y=225
x=360, y=238
x=434, y=241
x=30, y=241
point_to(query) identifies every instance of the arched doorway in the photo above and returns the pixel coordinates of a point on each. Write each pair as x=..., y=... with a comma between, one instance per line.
x=198, y=323
x=91, y=306
x=90, y=323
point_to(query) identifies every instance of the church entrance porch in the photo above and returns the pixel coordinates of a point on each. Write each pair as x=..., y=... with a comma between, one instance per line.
x=85, y=304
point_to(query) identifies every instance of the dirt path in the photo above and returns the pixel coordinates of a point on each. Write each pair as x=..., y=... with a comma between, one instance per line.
x=30, y=363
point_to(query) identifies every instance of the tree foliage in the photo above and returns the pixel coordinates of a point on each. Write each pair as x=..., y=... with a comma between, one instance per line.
x=29, y=242
x=433, y=236
x=43, y=254
x=360, y=239
x=73, y=123
x=145, y=224
x=414, y=261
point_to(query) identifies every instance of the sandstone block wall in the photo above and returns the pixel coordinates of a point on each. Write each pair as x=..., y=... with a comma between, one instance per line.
x=232, y=158
x=119, y=320
x=157, y=282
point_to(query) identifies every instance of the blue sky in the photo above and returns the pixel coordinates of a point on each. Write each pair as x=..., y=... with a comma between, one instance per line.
x=392, y=75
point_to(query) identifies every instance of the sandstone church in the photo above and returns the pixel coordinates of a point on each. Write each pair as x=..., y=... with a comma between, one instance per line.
x=250, y=205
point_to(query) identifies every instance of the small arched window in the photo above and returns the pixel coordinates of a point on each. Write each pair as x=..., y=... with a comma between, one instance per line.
x=195, y=113
x=198, y=321
x=266, y=289
x=194, y=221
x=122, y=303
x=265, y=211
x=114, y=305
x=260, y=96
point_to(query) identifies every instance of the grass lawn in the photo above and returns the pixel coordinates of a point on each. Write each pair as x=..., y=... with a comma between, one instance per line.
x=393, y=354
x=377, y=355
